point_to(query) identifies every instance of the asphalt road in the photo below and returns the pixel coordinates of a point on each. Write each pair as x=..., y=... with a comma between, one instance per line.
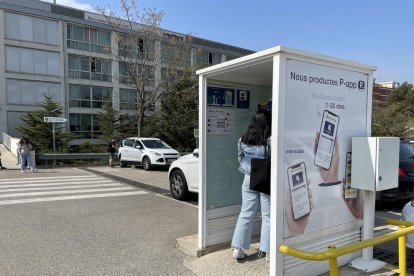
x=71, y=222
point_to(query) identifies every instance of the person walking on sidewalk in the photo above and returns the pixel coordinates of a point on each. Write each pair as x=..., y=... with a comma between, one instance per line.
x=111, y=148
x=1, y=165
x=18, y=152
x=24, y=149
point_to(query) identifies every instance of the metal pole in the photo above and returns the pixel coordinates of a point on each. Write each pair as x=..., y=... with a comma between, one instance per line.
x=402, y=254
x=333, y=262
x=368, y=230
x=54, y=147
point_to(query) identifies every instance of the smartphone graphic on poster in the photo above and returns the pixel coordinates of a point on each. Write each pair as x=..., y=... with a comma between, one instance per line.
x=350, y=192
x=326, y=143
x=299, y=193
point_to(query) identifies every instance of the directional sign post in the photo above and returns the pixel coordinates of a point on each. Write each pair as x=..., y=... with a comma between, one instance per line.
x=54, y=120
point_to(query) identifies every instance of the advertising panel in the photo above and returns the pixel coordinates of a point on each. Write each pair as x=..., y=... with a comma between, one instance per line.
x=325, y=108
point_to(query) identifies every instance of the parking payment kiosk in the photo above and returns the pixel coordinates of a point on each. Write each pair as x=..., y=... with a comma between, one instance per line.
x=318, y=104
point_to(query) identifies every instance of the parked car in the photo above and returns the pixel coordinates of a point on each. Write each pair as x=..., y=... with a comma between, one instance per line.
x=405, y=188
x=148, y=152
x=183, y=175
x=407, y=214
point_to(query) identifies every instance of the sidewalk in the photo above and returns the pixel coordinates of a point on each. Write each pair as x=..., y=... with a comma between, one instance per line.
x=219, y=261
x=8, y=159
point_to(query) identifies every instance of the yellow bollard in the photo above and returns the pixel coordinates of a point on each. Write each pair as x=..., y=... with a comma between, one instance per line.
x=402, y=257
x=333, y=262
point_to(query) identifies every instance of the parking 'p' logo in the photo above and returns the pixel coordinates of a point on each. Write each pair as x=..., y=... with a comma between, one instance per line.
x=361, y=85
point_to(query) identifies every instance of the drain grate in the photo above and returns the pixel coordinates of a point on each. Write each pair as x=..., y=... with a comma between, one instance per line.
x=392, y=258
x=137, y=184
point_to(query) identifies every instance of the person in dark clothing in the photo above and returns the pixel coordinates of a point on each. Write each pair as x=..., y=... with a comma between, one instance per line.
x=111, y=149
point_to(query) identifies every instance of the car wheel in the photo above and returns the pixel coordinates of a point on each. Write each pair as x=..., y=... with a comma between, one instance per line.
x=146, y=163
x=178, y=185
x=122, y=164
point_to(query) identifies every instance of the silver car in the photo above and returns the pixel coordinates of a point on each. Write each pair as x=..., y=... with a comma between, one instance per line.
x=408, y=215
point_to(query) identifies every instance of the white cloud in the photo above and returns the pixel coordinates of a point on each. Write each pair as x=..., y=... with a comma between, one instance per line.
x=73, y=4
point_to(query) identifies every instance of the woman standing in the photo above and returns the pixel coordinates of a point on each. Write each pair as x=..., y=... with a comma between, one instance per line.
x=255, y=143
x=24, y=149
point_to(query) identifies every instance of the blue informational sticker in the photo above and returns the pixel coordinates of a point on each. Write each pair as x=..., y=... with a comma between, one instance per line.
x=243, y=98
x=219, y=96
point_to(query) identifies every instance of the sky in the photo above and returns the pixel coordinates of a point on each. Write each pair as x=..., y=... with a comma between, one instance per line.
x=373, y=32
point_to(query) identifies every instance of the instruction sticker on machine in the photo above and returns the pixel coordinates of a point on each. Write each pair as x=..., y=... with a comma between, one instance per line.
x=220, y=121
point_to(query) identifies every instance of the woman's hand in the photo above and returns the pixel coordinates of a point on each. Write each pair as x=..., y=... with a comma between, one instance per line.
x=355, y=205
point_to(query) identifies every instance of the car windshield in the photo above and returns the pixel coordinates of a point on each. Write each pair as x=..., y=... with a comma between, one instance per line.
x=155, y=144
x=406, y=150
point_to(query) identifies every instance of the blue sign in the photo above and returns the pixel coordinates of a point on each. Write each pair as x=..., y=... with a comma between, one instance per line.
x=243, y=98
x=219, y=96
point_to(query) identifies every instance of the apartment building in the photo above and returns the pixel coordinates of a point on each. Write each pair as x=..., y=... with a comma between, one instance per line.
x=380, y=92
x=65, y=53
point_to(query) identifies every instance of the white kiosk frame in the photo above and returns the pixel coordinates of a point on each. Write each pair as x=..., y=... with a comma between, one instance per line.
x=269, y=68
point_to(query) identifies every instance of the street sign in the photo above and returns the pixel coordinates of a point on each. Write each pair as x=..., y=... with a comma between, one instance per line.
x=54, y=119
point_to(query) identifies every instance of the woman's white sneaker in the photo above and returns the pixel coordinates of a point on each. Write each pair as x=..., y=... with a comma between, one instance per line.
x=239, y=253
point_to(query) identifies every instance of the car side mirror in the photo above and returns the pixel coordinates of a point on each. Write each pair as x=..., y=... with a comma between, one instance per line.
x=138, y=147
x=195, y=153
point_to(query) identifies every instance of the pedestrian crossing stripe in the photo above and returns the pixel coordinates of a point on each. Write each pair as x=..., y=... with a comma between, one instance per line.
x=17, y=188
x=41, y=189
x=67, y=192
x=18, y=184
x=48, y=179
x=60, y=198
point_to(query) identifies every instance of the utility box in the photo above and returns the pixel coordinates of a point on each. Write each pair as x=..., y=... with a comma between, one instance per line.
x=375, y=163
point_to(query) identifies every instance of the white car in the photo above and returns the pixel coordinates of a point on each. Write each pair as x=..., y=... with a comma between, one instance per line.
x=148, y=152
x=408, y=215
x=183, y=176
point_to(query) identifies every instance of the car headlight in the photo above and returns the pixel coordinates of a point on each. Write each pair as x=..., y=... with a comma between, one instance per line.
x=156, y=153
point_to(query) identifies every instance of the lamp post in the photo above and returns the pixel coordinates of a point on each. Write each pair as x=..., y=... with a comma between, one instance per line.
x=53, y=131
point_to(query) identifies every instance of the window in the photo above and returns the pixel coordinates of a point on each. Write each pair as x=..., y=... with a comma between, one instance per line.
x=128, y=99
x=29, y=61
x=88, y=39
x=32, y=29
x=136, y=73
x=128, y=143
x=89, y=96
x=14, y=120
x=136, y=47
x=207, y=58
x=176, y=54
x=84, y=126
x=230, y=57
x=24, y=92
x=89, y=68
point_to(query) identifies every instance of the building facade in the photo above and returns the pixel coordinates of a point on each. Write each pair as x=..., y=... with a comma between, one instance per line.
x=380, y=92
x=65, y=54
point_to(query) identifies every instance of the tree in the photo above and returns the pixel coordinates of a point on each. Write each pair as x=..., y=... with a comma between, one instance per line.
x=41, y=133
x=178, y=114
x=108, y=120
x=149, y=59
x=114, y=125
x=397, y=117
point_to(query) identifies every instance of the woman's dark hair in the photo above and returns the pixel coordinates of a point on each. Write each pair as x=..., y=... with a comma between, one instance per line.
x=259, y=129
